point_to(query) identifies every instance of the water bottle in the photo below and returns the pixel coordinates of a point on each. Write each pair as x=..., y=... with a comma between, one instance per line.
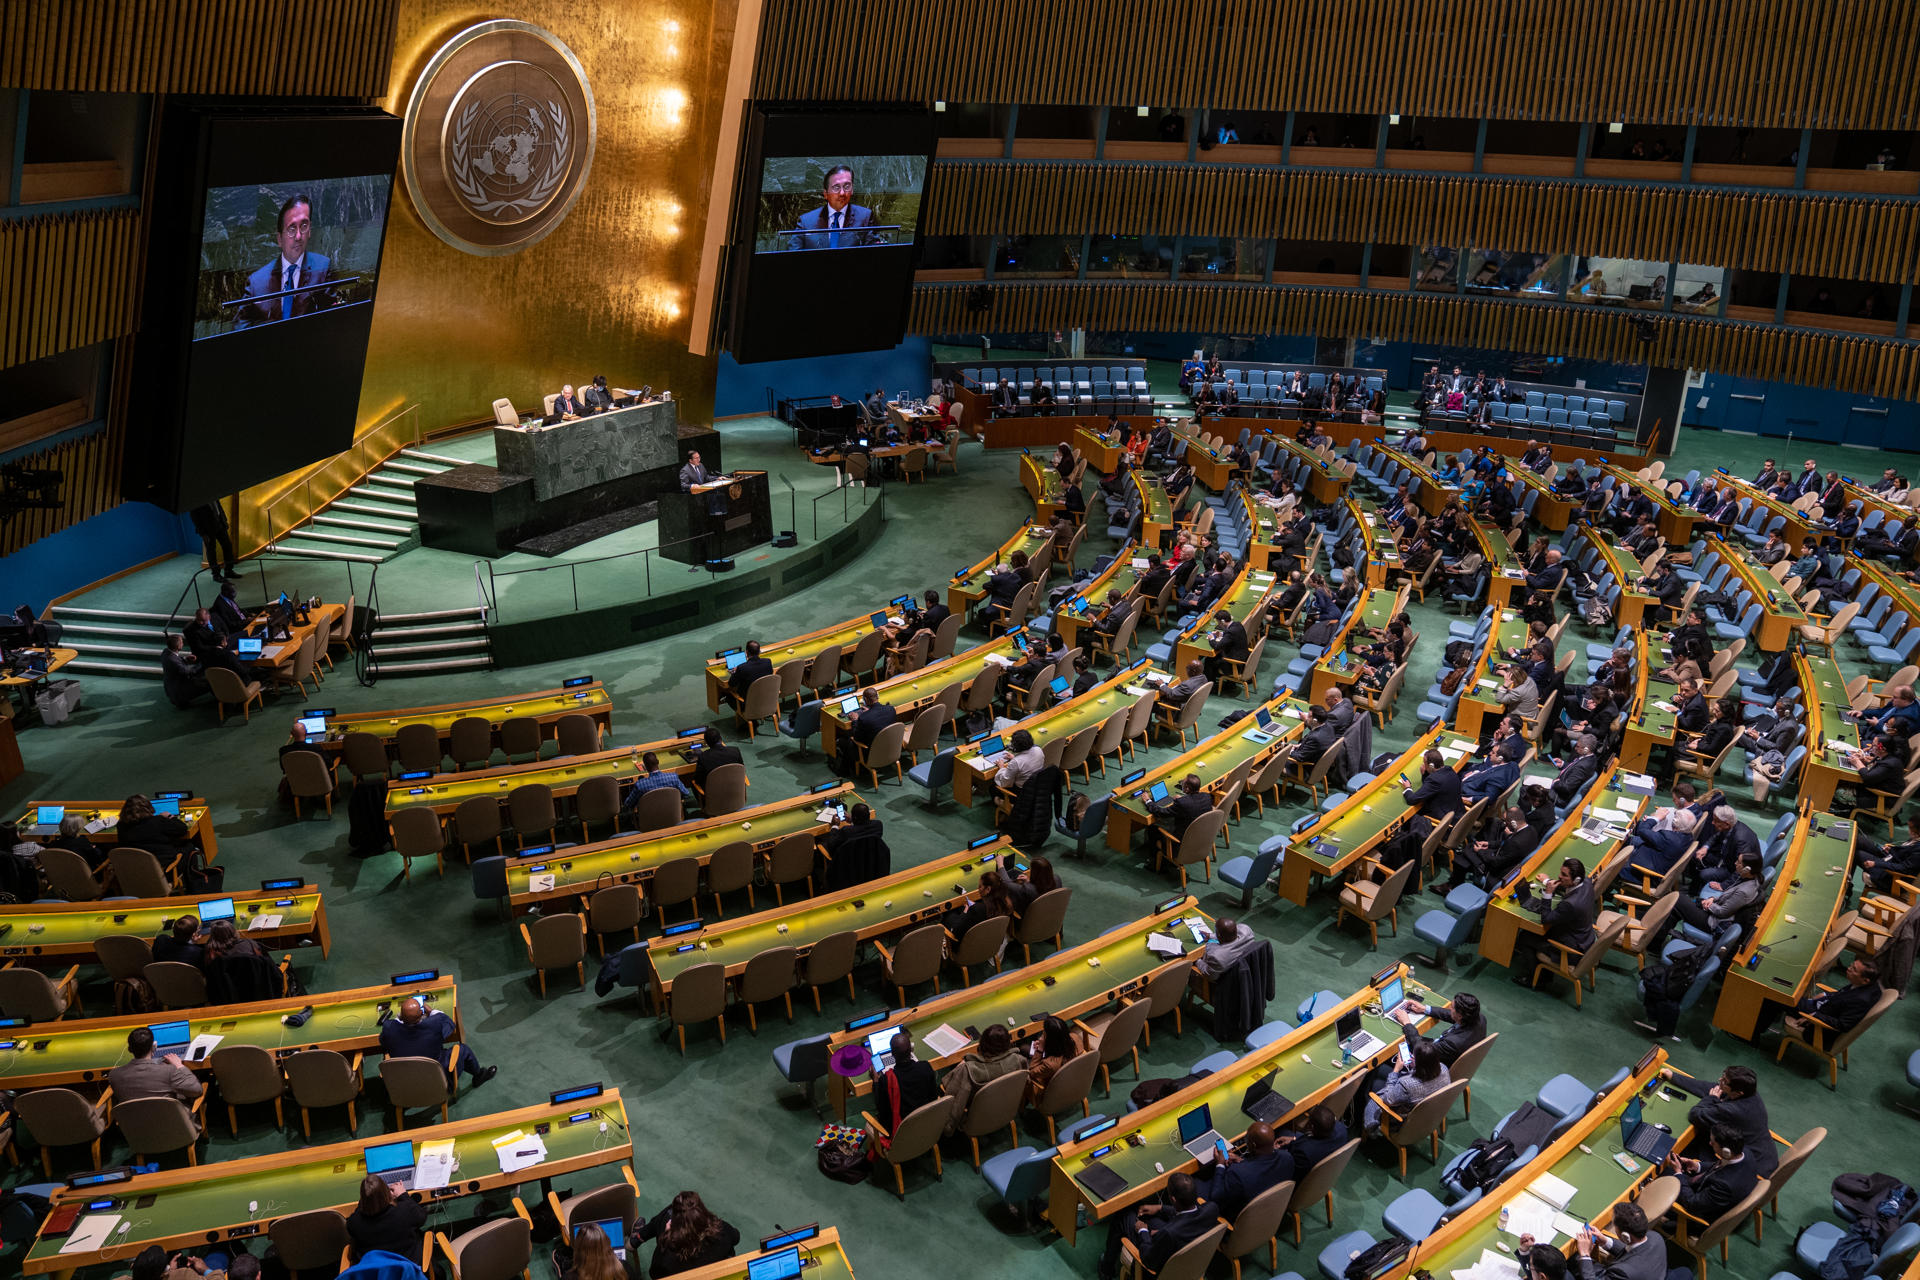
x=1504, y=1212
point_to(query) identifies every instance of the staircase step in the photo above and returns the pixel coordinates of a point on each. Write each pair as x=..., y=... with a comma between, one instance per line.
x=384, y=651
x=426, y=456
x=403, y=498
x=385, y=477
x=75, y=616
x=355, y=522
x=408, y=468
x=117, y=648
x=325, y=553
x=345, y=539
x=85, y=629
x=427, y=666
x=101, y=666
x=382, y=633
x=471, y=613
x=378, y=508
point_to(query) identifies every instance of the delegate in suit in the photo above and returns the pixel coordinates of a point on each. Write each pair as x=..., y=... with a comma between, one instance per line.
x=838, y=223
x=294, y=268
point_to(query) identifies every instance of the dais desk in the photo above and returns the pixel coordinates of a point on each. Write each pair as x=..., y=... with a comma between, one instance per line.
x=69, y=929
x=563, y=775
x=1777, y=962
x=547, y=706
x=196, y=813
x=1062, y=720
x=1212, y=759
x=1361, y=822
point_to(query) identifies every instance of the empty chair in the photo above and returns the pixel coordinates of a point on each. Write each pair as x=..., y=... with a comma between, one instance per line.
x=1042, y=921
x=494, y=1250
x=1118, y=1036
x=614, y=909
x=769, y=975
x=578, y=734
x=247, y=1074
x=830, y=960
x=310, y=1241
x=477, y=821
x=730, y=870
x=309, y=777
x=232, y=690
x=790, y=862
x=418, y=747
x=554, y=942
x=521, y=736
x=176, y=985
x=469, y=742
x=322, y=1078
x=530, y=810
x=160, y=1126
x=31, y=994
x=122, y=956
x=676, y=883
x=60, y=1118
x=417, y=834
x=914, y=959
x=418, y=1084
x=698, y=994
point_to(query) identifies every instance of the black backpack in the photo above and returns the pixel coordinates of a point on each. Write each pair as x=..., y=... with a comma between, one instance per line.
x=1488, y=1159
x=1378, y=1260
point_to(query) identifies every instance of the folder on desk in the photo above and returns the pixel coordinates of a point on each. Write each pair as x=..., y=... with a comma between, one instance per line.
x=434, y=1169
x=1103, y=1182
x=541, y=883
x=1556, y=1191
x=90, y=1234
x=519, y=1150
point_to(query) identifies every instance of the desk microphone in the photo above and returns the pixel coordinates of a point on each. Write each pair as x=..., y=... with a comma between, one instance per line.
x=611, y=1120
x=1769, y=946
x=808, y=1260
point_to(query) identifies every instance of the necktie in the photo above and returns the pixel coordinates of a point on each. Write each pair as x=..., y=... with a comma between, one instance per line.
x=286, y=303
x=833, y=237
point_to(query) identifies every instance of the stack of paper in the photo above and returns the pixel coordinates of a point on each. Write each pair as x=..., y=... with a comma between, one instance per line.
x=1489, y=1266
x=540, y=883
x=1162, y=944
x=1529, y=1215
x=203, y=1044
x=945, y=1041
x=435, y=1166
x=268, y=920
x=1556, y=1191
x=519, y=1150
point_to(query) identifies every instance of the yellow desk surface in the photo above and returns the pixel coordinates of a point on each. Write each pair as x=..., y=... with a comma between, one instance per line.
x=871, y=909
x=1212, y=758
x=1263, y=523
x=1383, y=542
x=1243, y=598
x=1211, y=467
x=546, y=706
x=1044, y=485
x=967, y=589
x=1582, y=1158
x=1506, y=573
x=779, y=652
x=1781, y=616
x=1477, y=699
x=563, y=775
x=1305, y=1082
x=1674, y=521
x=822, y=1256
x=84, y=1050
x=1626, y=570
x=1021, y=998
x=1550, y=509
x=1505, y=920
x=1363, y=820
x=1121, y=575
x=1430, y=492
x=1336, y=666
x=69, y=929
x=1062, y=720
x=1101, y=449
x=1824, y=694
x=1326, y=482
x=281, y=653
x=1808, y=890
x=1156, y=509
x=911, y=691
x=212, y=1200
x=1797, y=524
x=634, y=856
x=1650, y=716
x=194, y=811
x=59, y=657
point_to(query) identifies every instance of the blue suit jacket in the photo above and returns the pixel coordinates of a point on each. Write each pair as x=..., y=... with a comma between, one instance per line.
x=315, y=268
x=421, y=1040
x=1233, y=1187
x=814, y=230
x=1489, y=780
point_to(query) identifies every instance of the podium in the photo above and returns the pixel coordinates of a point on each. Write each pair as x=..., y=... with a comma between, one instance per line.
x=716, y=520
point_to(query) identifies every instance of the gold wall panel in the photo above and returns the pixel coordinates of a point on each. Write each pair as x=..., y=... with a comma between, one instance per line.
x=63, y=283
x=1831, y=64
x=91, y=484
x=1854, y=237
x=609, y=290
x=335, y=48
x=1866, y=366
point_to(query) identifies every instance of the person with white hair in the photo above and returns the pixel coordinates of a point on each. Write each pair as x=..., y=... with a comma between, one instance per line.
x=1657, y=846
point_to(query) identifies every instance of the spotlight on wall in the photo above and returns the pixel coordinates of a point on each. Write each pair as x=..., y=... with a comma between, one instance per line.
x=1143, y=111
x=1615, y=126
x=939, y=104
x=1393, y=119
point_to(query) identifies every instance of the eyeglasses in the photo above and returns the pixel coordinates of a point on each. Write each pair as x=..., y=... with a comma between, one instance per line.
x=839, y=186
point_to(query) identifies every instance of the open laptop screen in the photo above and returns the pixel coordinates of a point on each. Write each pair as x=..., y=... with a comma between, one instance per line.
x=783, y=1265
x=170, y=1035
x=216, y=909
x=49, y=815
x=390, y=1157
x=1195, y=1122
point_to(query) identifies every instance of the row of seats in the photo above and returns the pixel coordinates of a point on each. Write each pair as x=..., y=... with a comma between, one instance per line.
x=1070, y=384
x=1274, y=376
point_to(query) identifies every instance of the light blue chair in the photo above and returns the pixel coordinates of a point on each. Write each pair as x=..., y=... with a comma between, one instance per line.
x=1452, y=925
x=1093, y=824
x=934, y=773
x=1565, y=1096
x=1214, y=1062
x=803, y=1061
x=1243, y=873
x=1414, y=1215
x=803, y=723
x=1314, y=1005
x=1019, y=1177
x=1334, y=1258
x=1266, y=1033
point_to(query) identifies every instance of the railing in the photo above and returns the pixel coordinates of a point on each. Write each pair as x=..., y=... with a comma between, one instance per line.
x=259, y=566
x=327, y=481
x=617, y=568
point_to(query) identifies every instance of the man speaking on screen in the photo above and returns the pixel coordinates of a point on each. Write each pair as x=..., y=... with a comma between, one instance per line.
x=838, y=223
x=292, y=268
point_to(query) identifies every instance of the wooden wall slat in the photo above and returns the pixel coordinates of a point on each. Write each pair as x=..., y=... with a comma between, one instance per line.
x=200, y=46
x=63, y=282
x=1833, y=64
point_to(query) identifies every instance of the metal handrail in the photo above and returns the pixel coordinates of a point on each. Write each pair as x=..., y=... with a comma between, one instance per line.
x=370, y=450
x=259, y=560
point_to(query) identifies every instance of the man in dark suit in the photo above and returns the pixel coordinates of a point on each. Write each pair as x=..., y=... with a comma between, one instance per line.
x=714, y=753
x=1690, y=710
x=1178, y=811
x=216, y=538
x=1709, y=1188
x=1320, y=1135
x=907, y=1086
x=873, y=716
x=1176, y=695
x=1768, y=474
x=1537, y=458
x=1154, y=578
x=1723, y=842
x=1006, y=398
x=1229, y=640
x=1435, y=799
x=1487, y=778
x=292, y=268
x=1265, y=1164
x=1159, y=1230
x=227, y=615
x=1488, y=860
x=419, y=1034
x=837, y=223
x=742, y=677
x=1632, y=1254
x=568, y=406
x=694, y=473
x=1657, y=846
x=178, y=944
x=1321, y=735
x=597, y=397
x=1568, y=922
x=1808, y=481
x=1840, y=1009
x=209, y=646
x=1734, y=1100
x=1577, y=774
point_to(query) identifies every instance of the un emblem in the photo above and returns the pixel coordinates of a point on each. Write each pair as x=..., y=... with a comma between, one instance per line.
x=499, y=137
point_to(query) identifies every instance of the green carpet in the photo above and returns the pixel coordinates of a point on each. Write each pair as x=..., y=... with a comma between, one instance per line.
x=719, y=1120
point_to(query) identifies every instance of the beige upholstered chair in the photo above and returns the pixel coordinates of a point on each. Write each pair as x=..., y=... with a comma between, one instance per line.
x=159, y=1126
x=1259, y=1223
x=504, y=414
x=31, y=994
x=698, y=994
x=177, y=985
x=247, y=1074
x=830, y=960
x=1068, y=1089
x=61, y=1118
x=1189, y=1262
x=417, y=1084
x=311, y=1241
x=323, y=1078
x=730, y=870
x=913, y=959
x=417, y=747
x=918, y=1135
x=1042, y=921
x=68, y=875
x=614, y=909
x=676, y=883
x=470, y=742
x=578, y=734
x=230, y=690
x=495, y=1250
x=769, y=975
x=994, y=1105
x=417, y=834
x=309, y=777
x=554, y=942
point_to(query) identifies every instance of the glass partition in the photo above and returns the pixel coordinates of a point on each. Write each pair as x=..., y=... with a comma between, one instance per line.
x=1515, y=275
x=1129, y=257
x=1053, y=257
x=1438, y=269
x=1224, y=258
x=1619, y=282
x=1699, y=290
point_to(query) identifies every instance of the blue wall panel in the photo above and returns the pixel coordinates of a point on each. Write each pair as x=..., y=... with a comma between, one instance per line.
x=743, y=388
x=1817, y=416
x=127, y=535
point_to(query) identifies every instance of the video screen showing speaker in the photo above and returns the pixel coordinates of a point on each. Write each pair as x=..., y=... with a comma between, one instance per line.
x=275, y=251
x=262, y=272
x=829, y=213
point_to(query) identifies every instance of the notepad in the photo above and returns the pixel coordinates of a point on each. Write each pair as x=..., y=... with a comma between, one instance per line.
x=1556, y=1191
x=1529, y=1215
x=540, y=883
x=435, y=1167
x=90, y=1233
x=1162, y=944
x=97, y=826
x=268, y=920
x=945, y=1041
x=519, y=1150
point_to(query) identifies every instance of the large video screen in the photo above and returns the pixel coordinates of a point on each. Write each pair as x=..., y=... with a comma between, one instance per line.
x=828, y=215
x=261, y=276
x=838, y=202
x=274, y=251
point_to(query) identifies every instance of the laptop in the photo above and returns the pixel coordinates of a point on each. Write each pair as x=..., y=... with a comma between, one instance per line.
x=735, y=659
x=1060, y=687
x=1159, y=793
x=849, y=705
x=249, y=646
x=616, y=1232
x=171, y=1037
x=216, y=909
x=1354, y=1039
x=46, y=820
x=784, y=1265
x=313, y=726
x=169, y=807
x=880, y=1045
x=1638, y=1137
x=1393, y=995
x=993, y=750
x=393, y=1161
x=878, y=620
x=1262, y=1103
x=1197, y=1133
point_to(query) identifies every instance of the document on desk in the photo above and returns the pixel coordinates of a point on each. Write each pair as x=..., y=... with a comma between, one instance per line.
x=269, y=920
x=1529, y=1215
x=1162, y=944
x=1489, y=1266
x=435, y=1167
x=91, y=1232
x=519, y=1150
x=1556, y=1191
x=540, y=883
x=203, y=1045
x=945, y=1041
x=98, y=825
